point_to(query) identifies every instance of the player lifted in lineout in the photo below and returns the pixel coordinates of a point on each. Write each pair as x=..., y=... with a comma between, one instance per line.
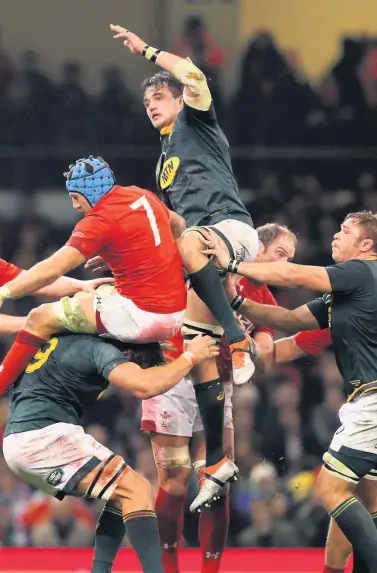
x=45, y=444
x=173, y=421
x=131, y=230
x=195, y=178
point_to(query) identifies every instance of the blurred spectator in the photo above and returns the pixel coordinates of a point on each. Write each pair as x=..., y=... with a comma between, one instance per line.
x=197, y=44
x=74, y=108
x=62, y=523
x=270, y=96
x=266, y=530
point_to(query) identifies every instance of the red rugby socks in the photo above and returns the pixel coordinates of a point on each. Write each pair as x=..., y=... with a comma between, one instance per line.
x=169, y=511
x=18, y=357
x=213, y=530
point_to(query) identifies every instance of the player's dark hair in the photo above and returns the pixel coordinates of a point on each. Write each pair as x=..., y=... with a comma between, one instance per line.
x=162, y=79
x=145, y=355
x=270, y=231
x=368, y=221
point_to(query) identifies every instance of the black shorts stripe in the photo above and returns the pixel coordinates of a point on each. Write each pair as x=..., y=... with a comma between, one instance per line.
x=344, y=475
x=90, y=489
x=113, y=479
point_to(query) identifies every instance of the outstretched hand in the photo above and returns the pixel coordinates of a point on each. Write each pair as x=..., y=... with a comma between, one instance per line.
x=135, y=44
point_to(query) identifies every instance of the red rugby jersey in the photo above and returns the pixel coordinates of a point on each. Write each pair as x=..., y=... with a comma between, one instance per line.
x=130, y=229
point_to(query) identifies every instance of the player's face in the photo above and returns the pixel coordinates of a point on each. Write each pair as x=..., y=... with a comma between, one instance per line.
x=79, y=203
x=282, y=249
x=348, y=243
x=161, y=106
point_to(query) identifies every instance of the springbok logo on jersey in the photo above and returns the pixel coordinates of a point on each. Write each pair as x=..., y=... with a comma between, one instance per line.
x=168, y=172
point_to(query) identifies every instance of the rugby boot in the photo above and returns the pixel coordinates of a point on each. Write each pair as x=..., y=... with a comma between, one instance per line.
x=243, y=355
x=212, y=480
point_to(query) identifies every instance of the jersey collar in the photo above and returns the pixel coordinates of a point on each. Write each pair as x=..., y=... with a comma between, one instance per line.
x=167, y=129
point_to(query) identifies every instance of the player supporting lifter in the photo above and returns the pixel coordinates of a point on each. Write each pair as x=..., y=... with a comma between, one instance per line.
x=338, y=548
x=61, y=287
x=131, y=230
x=173, y=422
x=350, y=310
x=195, y=178
x=45, y=444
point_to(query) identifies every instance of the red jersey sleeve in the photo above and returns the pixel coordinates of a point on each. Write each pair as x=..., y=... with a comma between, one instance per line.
x=313, y=342
x=8, y=272
x=90, y=234
x=267, y=298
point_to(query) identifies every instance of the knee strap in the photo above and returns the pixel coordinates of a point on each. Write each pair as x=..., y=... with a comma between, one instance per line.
x=71, y=316
x=190, y=329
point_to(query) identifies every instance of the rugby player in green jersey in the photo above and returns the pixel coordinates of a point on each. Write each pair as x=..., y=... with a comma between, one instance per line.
x=45, y=444
x=196, y=182
x=349, y=309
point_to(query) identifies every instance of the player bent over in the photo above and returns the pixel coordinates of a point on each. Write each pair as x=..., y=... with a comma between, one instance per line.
x=131, y=230
x=196, y=181
x=45, y=445
x=177, y=433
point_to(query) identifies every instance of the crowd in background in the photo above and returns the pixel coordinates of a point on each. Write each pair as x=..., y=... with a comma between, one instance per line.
x=285, y=420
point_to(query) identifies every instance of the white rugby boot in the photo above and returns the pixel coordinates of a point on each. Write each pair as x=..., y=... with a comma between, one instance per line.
x=212, y=480
x=243, y=355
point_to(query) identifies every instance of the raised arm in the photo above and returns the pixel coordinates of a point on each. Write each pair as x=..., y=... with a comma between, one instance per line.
x=196, y=93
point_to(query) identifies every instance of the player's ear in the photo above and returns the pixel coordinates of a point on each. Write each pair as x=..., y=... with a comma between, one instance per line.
x=366, y=245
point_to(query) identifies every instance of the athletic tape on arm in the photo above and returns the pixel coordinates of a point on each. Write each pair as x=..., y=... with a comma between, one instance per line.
x=191, y=77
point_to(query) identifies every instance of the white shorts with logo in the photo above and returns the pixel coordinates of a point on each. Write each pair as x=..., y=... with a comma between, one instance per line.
x=357, y=436
x=122, y=319
x=176, y=412
x=54, y=459
x=242, y=238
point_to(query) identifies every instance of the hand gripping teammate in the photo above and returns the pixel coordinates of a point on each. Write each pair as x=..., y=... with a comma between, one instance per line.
x=196, y=181
x=131, y=229
x=45, y=444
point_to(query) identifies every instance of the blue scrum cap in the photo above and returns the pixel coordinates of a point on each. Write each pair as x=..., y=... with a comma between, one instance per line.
x=91, y=177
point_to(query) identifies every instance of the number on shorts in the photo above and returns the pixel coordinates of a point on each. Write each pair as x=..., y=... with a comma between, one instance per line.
x=42, y=356
x=143, y=202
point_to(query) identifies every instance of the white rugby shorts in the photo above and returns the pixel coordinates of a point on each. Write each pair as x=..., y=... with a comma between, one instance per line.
x=56, y=458
x=120, y=318
x=176, y=412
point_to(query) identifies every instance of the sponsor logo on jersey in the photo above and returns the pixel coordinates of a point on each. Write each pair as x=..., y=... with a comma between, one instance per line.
x=55, y=477
x=168, y=172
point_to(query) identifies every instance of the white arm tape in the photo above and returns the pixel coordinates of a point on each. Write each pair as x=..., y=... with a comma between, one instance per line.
x=189, y=357
x=192, y=78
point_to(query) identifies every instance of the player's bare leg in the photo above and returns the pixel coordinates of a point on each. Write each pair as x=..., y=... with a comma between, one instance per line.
x=74, y=314
x=210, y=397
x=132, y=505
x=338, y=548
x=214, y=521
x=206, y=282
x=173, y=463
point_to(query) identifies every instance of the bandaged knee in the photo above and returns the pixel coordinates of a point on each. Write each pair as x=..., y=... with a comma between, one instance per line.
x=191, y=77
x=172, y=457
x=190, y=329
x=71, y=316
